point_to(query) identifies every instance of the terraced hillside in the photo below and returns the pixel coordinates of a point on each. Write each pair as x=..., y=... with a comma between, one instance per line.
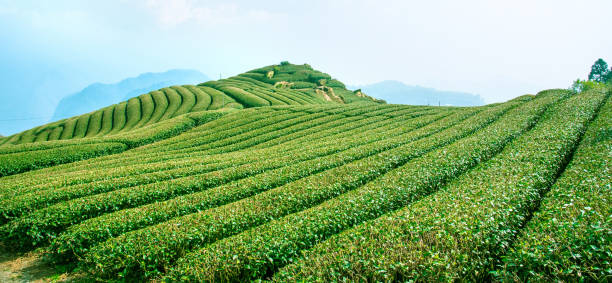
x=167, y=112
x=329, y=191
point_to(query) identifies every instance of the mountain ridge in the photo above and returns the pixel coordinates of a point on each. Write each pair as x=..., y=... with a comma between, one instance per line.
x=98, y=95
x=169, y=110
x=397, y=92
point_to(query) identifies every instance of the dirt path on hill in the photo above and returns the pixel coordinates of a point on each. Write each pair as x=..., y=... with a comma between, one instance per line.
x=29, y=267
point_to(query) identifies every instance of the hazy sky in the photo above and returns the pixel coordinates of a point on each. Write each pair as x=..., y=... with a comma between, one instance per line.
x=498, y=49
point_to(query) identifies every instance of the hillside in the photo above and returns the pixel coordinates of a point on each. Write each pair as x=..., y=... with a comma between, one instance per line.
x=284, y=84
x=399, y=93
x=99, y=95
x=292, y=177
x=169, y=111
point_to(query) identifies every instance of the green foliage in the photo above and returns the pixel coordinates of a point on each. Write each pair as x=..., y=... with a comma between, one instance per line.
x=599, y=71
x=261, y=178
x=94, y=126
x=174, y=103
x=261, y=250
x=581, y=86
x=133, y=113
x=244, y=97
x=160, y=106
x=119, y=117
x=568, y=238
x=13, y=163
x=305, y=162
x=203, y=100
x=299, y=85
x=147, y=107
x=460, y=232
x=141, y=257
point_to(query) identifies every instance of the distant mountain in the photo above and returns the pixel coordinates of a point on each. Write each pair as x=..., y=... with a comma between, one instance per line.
x=399, y=93
x=99, y=95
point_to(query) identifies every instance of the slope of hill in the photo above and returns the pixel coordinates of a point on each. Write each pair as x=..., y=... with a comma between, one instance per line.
x=167, y=112
x=399, y=93
x=322, y=189
x=99, y=95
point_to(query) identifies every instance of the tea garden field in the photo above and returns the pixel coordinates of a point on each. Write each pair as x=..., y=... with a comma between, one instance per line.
x=282, y=174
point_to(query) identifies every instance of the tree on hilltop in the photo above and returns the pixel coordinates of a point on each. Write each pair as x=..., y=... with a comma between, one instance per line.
x=599, y=71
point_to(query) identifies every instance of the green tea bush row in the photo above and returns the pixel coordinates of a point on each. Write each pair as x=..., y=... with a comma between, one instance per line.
x=568, y=239
x=119, y=118
x=151, y=155
x=125, y=141
x=188, y=100
x=251, y=89
x=165, y=129
x=80, y=177
x=78, y=169
x=203, y=100
x=14, y=163
x=24, y=161
x=94, y=127
x=239, y=95
x=371, y=125
x=230, y=143
x=287, y=100
x=81, y=126
x=133, y=113
x=174, y=102
x=298, y=96
x=17, y=206
x=218, y=98
x=136, y=112
x=149, y=250
x=80, y=237
x=308, y=122
x=160, y=106
x=41, y=225
x=147, y=106
x=91, y=165
x=107, y=120
x=460, y=232
x=27, y=202
x=68, y=128
x=197, y=138
x=263, y=249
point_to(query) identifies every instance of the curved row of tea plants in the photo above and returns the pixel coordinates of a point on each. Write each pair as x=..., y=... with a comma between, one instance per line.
x=346, y=150
x=137, y=112
x=117, y=168
x=31, y=198
x=261, y=250
x=568, y=238
x=31, y=156
x=40, y=225
x=461, y=232
x=148, y=250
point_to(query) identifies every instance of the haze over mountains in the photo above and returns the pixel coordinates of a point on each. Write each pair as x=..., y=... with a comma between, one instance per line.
x=396, y=92
x=98, y=95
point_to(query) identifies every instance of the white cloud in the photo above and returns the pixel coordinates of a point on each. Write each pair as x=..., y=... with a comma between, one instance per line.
x=172, y=13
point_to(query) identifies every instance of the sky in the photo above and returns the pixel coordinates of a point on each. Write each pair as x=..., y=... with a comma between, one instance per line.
x=497, y=49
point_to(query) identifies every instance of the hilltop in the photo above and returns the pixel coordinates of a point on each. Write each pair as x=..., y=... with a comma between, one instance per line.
x=399, y=93
x=171, y=110
x=100, y=95
x=283, y=174
x=283, y=84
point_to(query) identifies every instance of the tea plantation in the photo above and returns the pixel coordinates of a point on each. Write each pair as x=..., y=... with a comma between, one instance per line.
x=282, y=174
